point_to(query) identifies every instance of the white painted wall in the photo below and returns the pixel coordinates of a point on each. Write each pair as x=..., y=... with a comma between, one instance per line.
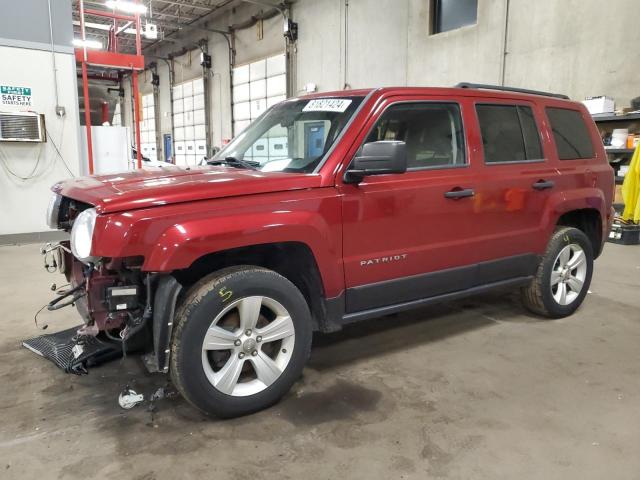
x=23, y=203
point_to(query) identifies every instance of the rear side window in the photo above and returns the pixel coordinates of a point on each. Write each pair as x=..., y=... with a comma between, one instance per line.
x=509, y=133
x=432, y=131
x=570, y=133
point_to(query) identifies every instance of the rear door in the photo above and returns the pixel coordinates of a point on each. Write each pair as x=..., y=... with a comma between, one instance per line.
x=515, y=182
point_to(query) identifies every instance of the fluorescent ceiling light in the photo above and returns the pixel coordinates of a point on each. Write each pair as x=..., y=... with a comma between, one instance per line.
x=78, y=42
x=102, y=26
x=126, y=6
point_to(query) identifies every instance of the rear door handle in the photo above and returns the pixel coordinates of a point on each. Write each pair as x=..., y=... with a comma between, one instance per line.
x=458, y=192
x=543, y=184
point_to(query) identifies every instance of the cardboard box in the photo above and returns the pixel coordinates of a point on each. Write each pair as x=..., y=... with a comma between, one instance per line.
x=600, y=104
x=618, y=195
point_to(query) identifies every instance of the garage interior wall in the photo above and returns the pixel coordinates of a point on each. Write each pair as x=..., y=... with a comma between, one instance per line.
x=546, y=45
x=25, y=41
x=183, y=49
x=561, y=46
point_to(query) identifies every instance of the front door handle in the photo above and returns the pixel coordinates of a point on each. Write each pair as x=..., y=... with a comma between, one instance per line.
x=458, y=192
x=543, y=184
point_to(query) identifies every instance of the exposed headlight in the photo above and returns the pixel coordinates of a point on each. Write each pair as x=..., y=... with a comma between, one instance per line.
x=82, y=234
x=53, y=211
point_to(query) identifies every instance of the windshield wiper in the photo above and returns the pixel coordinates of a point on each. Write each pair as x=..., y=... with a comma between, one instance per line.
x=234, y=162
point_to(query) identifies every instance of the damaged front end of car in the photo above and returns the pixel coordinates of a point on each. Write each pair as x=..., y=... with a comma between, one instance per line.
x=123, y=308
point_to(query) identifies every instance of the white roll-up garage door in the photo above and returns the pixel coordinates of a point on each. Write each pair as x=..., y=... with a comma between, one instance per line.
x=257, y=86
x=148, y=128
x=189, y=122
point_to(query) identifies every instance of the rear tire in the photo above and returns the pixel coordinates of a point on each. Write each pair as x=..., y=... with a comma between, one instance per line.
x=241, y=339
x=563, y=276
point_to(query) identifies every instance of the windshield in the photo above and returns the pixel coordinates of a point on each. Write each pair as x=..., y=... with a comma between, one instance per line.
x=293, y=136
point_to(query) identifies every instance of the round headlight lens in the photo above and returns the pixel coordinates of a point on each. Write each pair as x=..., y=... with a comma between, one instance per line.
x=82, y=234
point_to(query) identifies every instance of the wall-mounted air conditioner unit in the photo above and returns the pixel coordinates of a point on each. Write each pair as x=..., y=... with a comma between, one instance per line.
x=22, y=127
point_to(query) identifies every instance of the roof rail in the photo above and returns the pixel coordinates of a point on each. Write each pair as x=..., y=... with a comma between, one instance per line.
x=510, y=89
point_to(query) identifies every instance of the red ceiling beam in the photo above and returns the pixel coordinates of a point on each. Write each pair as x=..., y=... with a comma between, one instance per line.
x=102, y=13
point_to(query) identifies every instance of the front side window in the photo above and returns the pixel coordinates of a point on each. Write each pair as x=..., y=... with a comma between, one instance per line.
x=432, y=132
x=509, y=133
x=294, y=136
x=570, y=133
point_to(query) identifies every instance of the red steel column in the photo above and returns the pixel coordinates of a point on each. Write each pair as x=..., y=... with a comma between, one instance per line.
x=136, y=113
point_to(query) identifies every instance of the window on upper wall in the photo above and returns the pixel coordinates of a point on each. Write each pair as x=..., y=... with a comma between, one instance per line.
x=509, y=133
x=451, y=14
x=570, y=133
x=432, y=132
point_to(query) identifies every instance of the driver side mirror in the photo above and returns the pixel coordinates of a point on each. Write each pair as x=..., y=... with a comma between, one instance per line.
x=377, y=158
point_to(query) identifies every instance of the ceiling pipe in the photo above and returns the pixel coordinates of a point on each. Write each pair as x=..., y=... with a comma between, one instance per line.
x=188, y=5
x=283, y=9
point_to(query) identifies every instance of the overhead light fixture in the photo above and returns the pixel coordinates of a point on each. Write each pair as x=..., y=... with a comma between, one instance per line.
x=94, y=44
x=126, y=6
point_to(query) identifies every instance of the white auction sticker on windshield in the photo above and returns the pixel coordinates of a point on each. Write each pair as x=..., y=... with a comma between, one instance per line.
x=327, y=105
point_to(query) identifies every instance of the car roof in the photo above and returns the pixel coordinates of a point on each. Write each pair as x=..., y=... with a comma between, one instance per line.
x=440, y=91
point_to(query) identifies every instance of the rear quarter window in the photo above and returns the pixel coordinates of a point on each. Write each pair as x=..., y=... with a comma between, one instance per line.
x=570, y=134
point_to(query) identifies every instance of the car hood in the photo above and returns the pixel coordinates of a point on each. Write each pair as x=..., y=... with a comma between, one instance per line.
x=167, y=185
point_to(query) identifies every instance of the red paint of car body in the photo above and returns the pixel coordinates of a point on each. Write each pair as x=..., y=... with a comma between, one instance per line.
x=173, y=216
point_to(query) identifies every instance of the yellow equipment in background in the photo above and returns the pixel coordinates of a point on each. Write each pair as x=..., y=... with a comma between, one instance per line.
x=631, y=190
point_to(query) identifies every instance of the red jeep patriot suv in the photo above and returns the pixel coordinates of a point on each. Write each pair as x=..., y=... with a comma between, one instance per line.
x=330, y=209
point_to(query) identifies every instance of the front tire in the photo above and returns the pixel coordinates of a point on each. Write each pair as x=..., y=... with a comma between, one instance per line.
x=563, y=276
x=241, y=340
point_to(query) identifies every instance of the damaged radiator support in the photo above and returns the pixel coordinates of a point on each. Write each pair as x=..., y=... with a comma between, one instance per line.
x=75, y=352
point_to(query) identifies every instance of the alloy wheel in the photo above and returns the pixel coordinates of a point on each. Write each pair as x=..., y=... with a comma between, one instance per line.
x=568, y=274
x=248, y=346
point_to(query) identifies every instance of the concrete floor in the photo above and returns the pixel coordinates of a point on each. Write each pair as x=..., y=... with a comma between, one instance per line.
x=474, y=389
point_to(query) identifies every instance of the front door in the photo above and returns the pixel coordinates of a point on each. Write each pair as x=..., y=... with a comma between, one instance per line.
x=420, y=224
